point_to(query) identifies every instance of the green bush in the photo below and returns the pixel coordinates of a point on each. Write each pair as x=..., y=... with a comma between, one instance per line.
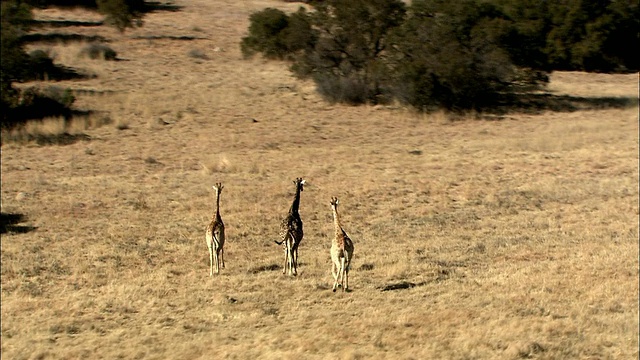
x=451, y=60
x=40, y=65
x=432, y=54
x=122, y=14
x=277, y=35
x=349, y=61
x=35, y=104
x=63, y=96
x=458, y=55
x=266, y=34
x=594, y=35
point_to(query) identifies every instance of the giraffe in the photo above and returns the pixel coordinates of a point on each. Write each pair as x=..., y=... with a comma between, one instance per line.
x=341, y=251
x=215, y=236
x=291, y=232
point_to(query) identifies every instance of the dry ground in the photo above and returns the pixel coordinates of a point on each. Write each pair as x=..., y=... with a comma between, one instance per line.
x=509, y=238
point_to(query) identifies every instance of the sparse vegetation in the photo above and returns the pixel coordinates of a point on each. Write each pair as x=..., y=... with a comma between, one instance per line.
x=516, y=234
x=198, y=54
x=18, y=66
x=122, y=14
x=99, y=51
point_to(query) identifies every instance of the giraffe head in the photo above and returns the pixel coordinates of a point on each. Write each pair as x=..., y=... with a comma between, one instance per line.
x=334, y=202
x=218, y=188
x=299, y=183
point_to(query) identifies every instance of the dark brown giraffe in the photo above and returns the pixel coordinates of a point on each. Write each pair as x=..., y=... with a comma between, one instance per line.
x=215, y=236
x=341, y=251
x=291, y=232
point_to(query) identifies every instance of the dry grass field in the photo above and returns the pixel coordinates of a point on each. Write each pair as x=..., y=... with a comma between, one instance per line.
x=503, y=237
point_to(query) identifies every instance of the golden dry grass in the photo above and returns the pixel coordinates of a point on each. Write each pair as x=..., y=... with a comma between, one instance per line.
x=515, y=238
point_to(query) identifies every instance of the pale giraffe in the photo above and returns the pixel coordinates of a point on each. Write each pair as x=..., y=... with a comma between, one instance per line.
x=215, y=236
x=291, y=232
x=341, y=251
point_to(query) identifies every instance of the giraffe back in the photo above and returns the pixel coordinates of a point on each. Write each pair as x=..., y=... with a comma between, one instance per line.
x=292, y=224
x=215, y=233
x=342, y=246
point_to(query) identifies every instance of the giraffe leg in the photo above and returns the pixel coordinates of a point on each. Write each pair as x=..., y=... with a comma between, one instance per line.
x=217, y=261
x=334, y=272
x=343, y=271
x=286, y=259
x=346, y=279
x=292, y=265
x=210, y=262
x=294, y=261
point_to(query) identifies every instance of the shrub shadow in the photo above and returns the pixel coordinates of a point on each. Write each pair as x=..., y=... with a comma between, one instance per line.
x=153, y=6
x=537, y=103
x=400, y=286
x=65, y=23
x=167, y=37
x=58, y=139
x=8, y=223
x=58, y=73
x=39, y=109
x=54, y=38
x=263, y=268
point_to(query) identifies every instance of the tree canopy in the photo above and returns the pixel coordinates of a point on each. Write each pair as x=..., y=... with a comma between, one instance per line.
x=435, y=53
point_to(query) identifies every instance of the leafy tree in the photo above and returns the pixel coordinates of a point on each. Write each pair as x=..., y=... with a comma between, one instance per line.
x=449, y=55
x=526, y=37
x=593, y=35
x=277, y=35
x=266, y=34
x=606, y=40
x=348, y=61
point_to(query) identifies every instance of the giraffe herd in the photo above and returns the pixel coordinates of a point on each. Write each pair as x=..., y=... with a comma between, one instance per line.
x=291, y=233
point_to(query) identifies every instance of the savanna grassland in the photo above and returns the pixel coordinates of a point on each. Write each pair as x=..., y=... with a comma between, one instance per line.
x=476, y=237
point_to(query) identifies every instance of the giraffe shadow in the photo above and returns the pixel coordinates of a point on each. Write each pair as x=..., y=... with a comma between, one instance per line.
x=537, y=103
x=400, y=286
x=264, y=268
x=442, y=275
x=8, y=224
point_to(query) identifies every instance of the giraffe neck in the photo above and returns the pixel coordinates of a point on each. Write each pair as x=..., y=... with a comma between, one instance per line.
x=337, y=227
x=296, y=202
x=217, y=214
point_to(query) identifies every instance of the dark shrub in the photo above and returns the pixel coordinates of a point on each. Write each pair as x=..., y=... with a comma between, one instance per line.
x=122, y=13
x=36, y=105
x=41, y=65
x=266, y=34
x=447, y=56
x=99, y=51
